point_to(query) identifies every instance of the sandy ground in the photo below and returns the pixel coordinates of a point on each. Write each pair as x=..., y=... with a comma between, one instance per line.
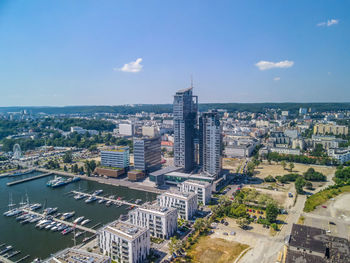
x=266, y=169
x=281, y=197
x=232, y=163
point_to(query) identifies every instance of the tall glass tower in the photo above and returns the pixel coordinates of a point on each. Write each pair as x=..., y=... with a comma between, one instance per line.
x=185, y=119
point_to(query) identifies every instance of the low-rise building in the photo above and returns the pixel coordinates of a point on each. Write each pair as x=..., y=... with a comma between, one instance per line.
x=109, y=171
x=161, y=221
x=340, y=154
x=124, y=242
x=185, y=203
x=201, y=188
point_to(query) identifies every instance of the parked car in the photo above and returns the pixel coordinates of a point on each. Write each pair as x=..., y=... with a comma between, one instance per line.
x=225, y=234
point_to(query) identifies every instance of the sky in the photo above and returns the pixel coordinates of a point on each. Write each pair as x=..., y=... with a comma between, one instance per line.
x=88, y=52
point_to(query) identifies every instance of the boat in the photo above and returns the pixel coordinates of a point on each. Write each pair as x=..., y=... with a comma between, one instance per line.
x=67, y=215
x=53, y=181
x=48, y=227
x=79, y=196
x=138, y=201
x=13, y=212
x=109, y=202
x=97, y=192
x=50, y=210
x=85, y=222
x=111, y=197
x=35, y=219
x=41, y=222
x=8, y=248
x=34, y=207
x=78, y=234
x=100, y=201
x=57, y=215
x=21, y=173
x=61, y=228
x=78, y=220
x=76, y=179
x=67, y=230
x=91, y=199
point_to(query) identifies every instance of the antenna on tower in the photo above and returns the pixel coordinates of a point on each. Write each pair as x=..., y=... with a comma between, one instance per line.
x=191, y=81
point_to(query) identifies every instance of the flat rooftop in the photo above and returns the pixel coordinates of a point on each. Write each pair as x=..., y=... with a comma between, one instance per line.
x=156, y=208
x=71, y=255
x=180, y=195
x=197, y=183
x=125, y=230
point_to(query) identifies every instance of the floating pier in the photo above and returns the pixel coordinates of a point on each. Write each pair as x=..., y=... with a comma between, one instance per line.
x=29, y=179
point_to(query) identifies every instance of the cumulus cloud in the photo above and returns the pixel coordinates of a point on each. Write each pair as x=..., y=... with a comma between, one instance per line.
x=276, y=78
x=330, y=22
x=133, y=66
x=264, y=65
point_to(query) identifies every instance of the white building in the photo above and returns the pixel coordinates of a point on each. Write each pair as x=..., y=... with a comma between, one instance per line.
x=201, y=188
x=71, y=255
x=81, y=130
x=150, y=131
x=124, y=242
x=161, y=221
x=342, y=155
x=185, y=203
x=285, y=150
x=116, y=157
x=126, y=129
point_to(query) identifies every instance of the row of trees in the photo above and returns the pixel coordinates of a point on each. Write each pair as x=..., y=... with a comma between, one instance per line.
x=300, y=159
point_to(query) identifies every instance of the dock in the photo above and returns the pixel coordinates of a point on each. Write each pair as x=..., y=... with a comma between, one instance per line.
x=29, y=179
x=71, y=224
x=122, y=202
x=5, y=260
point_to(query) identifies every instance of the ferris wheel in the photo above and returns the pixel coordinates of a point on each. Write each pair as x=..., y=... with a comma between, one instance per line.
x=17, y=153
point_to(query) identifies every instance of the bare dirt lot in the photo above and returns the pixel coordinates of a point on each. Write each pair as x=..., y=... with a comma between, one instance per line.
x=281, y=197
x=232, y=163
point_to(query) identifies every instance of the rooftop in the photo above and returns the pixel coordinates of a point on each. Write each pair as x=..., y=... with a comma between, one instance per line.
x=156, y=208
x=184, y=90
x=180, y=195
x=198, y=183
x=125, y=230
x=71, y=255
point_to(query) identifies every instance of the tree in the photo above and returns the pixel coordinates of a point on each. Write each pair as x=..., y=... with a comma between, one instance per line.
x=271, y=212
x=269, y=179
x=65, y=168
x=309, y=185
x=250, y=168
x=299, y=184
x=284, y=164
x=175, y=245
x=274, y=226
x=291, y=166
x=68, y=157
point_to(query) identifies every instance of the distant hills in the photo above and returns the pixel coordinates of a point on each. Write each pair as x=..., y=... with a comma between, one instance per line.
x=164, y=108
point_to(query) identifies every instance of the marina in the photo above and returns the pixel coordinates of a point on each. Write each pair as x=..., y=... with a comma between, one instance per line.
x=28, y=179
x=25, y=237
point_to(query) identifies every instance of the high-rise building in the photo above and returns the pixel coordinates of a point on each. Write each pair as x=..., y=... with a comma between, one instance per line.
x=147, y=154
x=185, y=118
x=118, y=157
x=210, y=143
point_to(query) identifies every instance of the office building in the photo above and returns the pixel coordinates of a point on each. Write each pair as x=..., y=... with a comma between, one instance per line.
x=150, y=131
x=185, y=203
x=210, y=143
x=185, y=116
x=147, y=154
x=124, y=242
x=161, y=221
x=201, y=188
x=118, y=158
x=330, y=129
x=126, y=129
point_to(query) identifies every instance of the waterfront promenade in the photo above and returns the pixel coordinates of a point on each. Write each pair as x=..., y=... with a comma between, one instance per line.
x=109, y=181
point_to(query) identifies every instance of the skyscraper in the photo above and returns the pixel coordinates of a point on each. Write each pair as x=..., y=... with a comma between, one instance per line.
x=210, y=143
x=185, y=117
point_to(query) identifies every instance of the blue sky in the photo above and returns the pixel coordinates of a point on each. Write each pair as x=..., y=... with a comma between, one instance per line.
x=115, y=52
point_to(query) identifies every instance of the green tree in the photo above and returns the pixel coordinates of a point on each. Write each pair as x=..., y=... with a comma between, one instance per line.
x=291, y=166
x=68, y=157
x=284, y=164
x=243, y=222
x=175, y=244
x=299, y=185
x=271, y=212
x=308, y=185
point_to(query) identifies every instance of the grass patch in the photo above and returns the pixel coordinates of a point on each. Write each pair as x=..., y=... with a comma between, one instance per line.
x=323, y=196
x=301, y=220
x=215, y=250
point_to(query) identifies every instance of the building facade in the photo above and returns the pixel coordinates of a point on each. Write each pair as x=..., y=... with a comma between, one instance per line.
x=330, y=128
x=210, y=143
x=126, y=129
x=124, y=242
x=185, y=203
x=118, y=157
x=201, y=188
x=161, y=221
x=185, y=118
x=147, y=154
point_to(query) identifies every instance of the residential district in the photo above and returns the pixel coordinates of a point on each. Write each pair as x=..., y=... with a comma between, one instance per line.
x=267, y=185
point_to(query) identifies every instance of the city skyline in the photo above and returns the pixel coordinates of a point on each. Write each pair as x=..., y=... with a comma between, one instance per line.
x=118, y=53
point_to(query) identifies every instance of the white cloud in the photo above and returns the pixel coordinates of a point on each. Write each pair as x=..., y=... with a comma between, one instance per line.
x=276, y=78
x=264, y=65
x=329, y=22
x=133, y=66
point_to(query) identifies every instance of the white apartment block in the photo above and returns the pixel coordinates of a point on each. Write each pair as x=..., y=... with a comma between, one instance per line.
x=118, y=158
x=161, y=221
x=201, y=188
x=126, y=129
x=185, y=203
x=124, y=242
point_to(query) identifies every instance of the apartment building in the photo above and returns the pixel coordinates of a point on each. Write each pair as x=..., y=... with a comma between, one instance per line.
x=118, y=158
x=185, y=203
x=126, y=129
x=161, y=221
x=124, y=242
x=330, y=128
x=201, y=188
